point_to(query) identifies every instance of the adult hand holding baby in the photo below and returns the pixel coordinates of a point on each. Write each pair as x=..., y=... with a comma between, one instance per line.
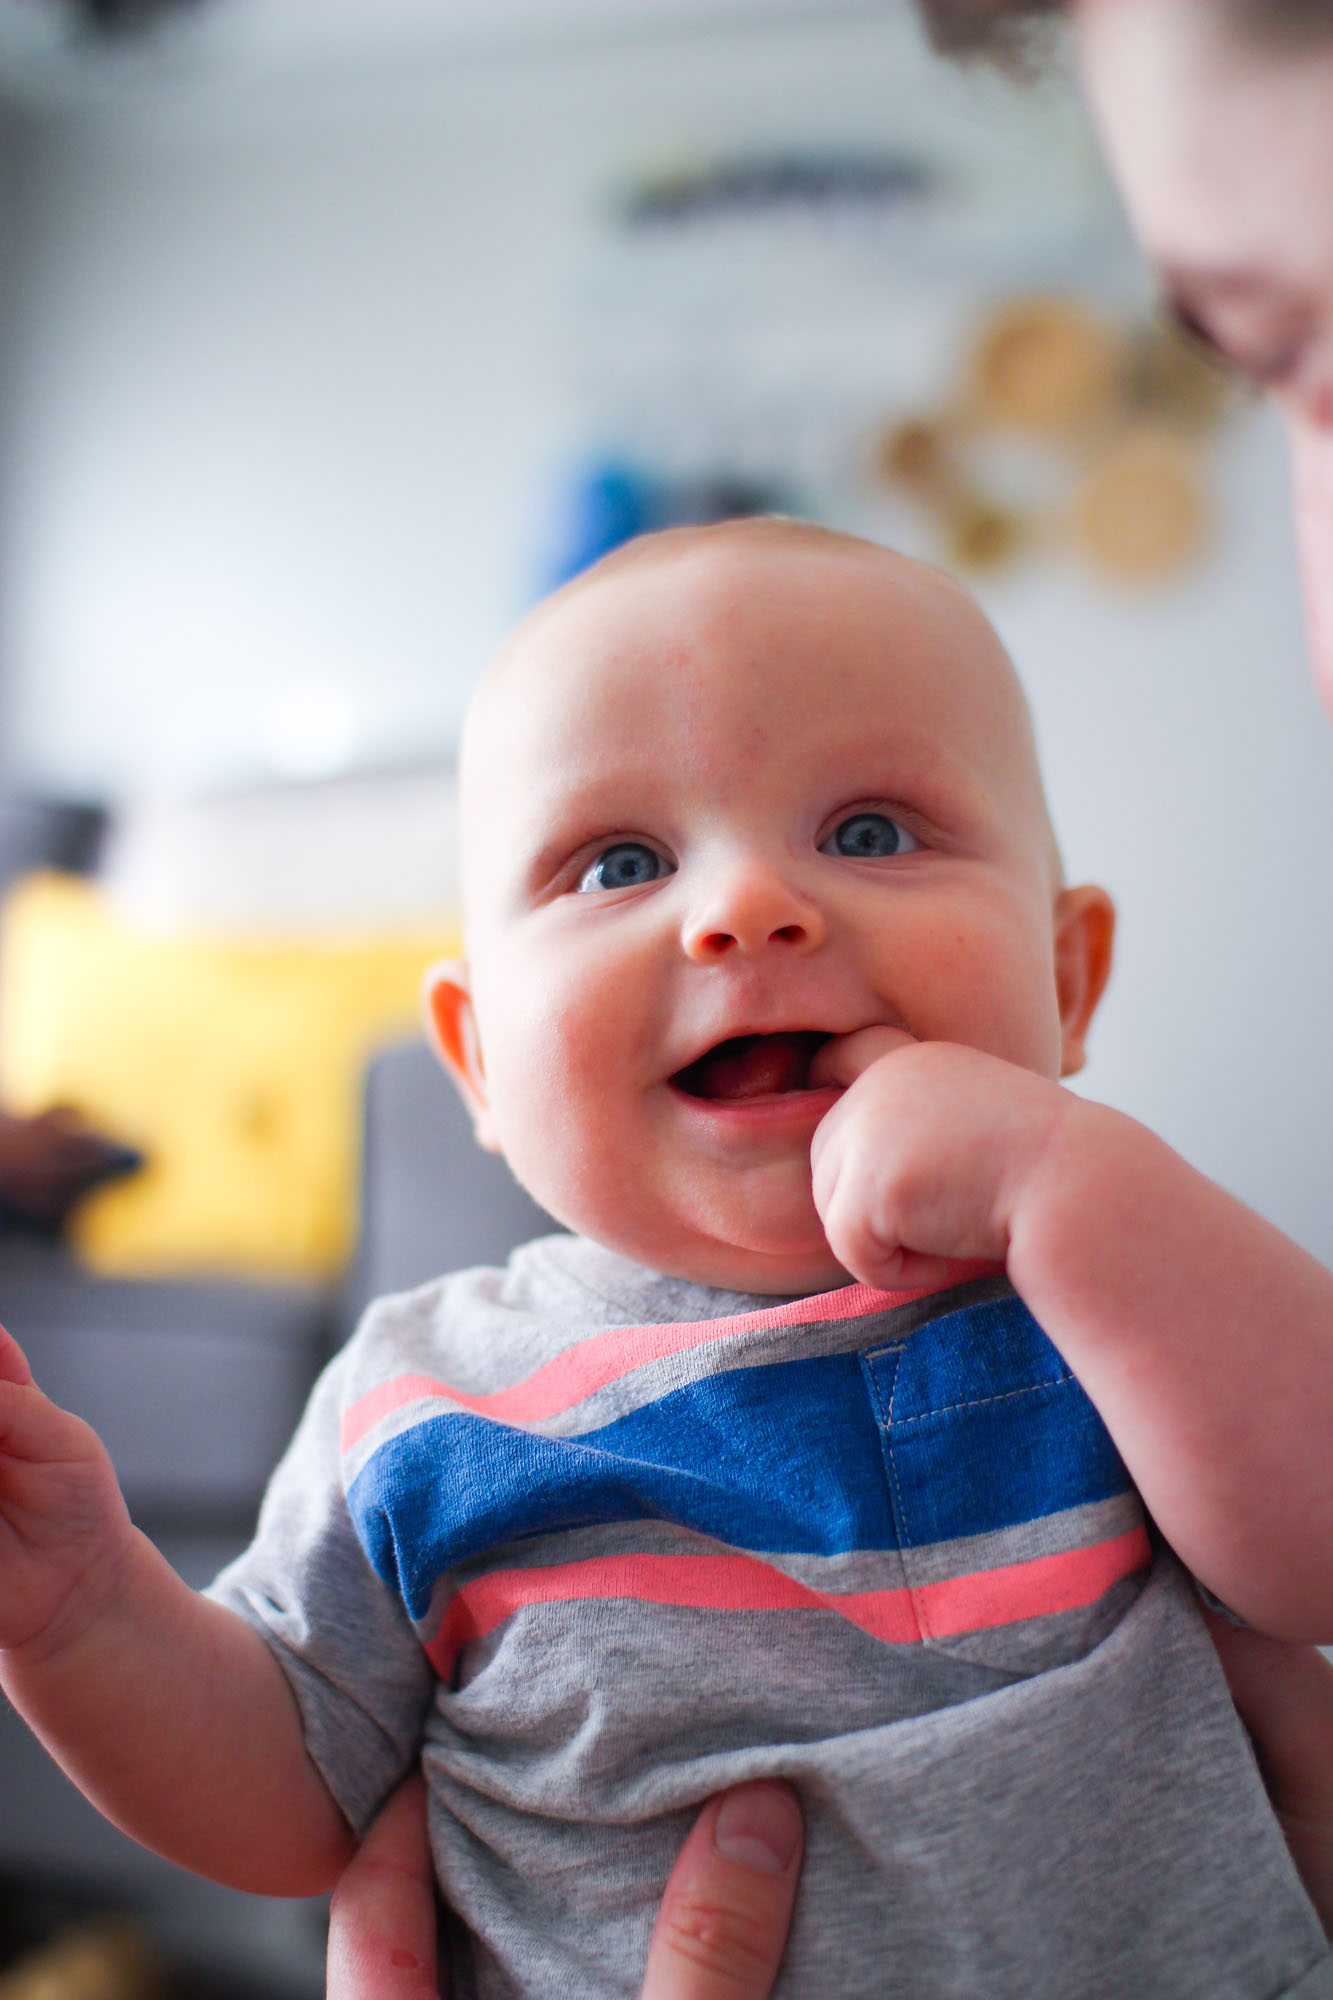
x=719, y=1935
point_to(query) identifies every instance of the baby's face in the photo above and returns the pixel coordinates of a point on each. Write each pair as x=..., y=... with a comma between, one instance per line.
x=720, y=805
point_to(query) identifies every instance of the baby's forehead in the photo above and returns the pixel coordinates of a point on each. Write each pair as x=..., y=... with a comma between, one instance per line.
x=688, y=651
x=704, y=594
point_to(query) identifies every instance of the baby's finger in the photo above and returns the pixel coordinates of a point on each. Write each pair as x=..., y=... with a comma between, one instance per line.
x=13, y=1362
x=839, y=1062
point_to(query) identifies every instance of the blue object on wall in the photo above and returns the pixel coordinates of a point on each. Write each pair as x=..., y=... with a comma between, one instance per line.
x=608, y=503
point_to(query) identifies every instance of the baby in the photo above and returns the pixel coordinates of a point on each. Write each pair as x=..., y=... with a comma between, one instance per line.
x=759, y=1471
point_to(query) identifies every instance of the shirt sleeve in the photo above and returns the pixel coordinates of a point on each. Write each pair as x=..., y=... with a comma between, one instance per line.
x=341, y=1636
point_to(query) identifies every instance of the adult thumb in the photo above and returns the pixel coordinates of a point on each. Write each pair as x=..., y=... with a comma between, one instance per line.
x=723, y=1924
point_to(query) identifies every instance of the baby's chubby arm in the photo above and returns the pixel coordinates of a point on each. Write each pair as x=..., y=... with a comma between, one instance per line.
x=166, y=1709
x=1202, y=1334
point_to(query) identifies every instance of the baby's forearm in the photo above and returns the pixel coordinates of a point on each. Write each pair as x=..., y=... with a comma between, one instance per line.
x=1205, y=1338
x=174, y=1719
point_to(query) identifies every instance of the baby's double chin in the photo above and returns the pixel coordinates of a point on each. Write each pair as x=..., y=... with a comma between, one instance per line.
x=768, y=1272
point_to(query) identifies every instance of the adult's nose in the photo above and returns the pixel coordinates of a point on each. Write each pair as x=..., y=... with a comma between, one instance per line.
x=1312, y=467
x=747, y=905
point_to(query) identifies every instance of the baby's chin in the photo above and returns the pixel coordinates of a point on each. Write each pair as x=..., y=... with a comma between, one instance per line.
x=786, y=1264
x=759, y=1233
x=734, y=1269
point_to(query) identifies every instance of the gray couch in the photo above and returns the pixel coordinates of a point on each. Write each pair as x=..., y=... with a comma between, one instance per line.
x=431, y=1200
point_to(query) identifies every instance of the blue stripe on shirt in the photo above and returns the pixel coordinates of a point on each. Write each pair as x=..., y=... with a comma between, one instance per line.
x=985, y=1429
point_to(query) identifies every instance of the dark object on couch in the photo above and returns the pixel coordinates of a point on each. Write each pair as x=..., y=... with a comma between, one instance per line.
x=48, y=833
x=48, y=1163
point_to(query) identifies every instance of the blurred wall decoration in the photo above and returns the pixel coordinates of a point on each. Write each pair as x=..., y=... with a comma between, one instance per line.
x=1117, y=419
x=748, y=323
x=1116, y=416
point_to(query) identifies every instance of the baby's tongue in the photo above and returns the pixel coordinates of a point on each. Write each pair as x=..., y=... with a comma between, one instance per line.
x=753, y=1066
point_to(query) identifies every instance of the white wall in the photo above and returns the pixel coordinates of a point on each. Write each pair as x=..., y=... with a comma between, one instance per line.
x=288, y=379
x=293, y=367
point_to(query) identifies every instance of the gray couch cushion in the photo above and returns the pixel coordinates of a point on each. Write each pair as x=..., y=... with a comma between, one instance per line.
x=431, y=1200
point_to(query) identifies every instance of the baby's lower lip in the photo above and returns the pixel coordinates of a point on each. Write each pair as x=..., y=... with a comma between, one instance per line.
x=743, y=1119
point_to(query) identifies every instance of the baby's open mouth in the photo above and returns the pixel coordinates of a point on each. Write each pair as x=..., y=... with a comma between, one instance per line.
x=752, y=1066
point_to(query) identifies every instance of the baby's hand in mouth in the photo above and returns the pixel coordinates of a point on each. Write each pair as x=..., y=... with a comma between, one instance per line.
x=839, y=1061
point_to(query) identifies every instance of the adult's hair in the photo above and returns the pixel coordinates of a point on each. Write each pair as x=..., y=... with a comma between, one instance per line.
x=1008, y=30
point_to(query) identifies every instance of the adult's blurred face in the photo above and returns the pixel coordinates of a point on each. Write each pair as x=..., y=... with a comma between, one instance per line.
x=1223, y=148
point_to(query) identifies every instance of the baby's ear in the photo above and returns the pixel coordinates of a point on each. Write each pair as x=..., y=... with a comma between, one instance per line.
x=451, y=1025
x=1084, y=936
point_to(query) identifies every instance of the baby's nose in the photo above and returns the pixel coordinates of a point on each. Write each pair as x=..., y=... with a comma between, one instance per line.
x=748, y=909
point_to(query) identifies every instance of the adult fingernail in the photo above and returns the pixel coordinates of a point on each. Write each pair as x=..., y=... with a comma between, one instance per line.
x=759, y=1826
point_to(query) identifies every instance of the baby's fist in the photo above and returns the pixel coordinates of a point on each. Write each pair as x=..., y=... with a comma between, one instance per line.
x=923, y=1161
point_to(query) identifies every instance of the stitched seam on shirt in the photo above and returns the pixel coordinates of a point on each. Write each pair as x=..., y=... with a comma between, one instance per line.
x=985, y=1402
x=885, y=1427
x=889, y=1422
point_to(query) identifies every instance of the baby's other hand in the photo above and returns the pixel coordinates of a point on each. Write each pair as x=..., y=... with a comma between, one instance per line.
x=63, y=1523
x=921, y=1164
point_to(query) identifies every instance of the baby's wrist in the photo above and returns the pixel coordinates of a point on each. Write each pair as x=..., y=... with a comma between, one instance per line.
x=1071, y=1143
x=102, y=1596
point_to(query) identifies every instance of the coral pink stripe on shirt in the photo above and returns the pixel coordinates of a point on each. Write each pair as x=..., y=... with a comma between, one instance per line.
x=605, y=1357
x=1001, y=1596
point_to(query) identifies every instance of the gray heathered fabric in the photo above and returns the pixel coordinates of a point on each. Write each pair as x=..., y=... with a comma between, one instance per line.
x=1097, y=1831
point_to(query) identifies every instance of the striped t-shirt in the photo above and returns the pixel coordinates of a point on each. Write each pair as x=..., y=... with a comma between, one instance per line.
x=592, y=1543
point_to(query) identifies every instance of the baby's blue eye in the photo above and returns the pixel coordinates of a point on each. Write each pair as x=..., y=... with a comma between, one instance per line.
x=870, y=837
x=624, y=866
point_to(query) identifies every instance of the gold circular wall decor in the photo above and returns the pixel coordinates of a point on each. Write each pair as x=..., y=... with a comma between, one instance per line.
x=1118, y=414
x=981, y=536
x=1044, y=365
x=916, y=455
x=1142, y=512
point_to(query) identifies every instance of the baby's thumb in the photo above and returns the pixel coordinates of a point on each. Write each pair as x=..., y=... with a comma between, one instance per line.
x=13, y=1363
x=840, y=1061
